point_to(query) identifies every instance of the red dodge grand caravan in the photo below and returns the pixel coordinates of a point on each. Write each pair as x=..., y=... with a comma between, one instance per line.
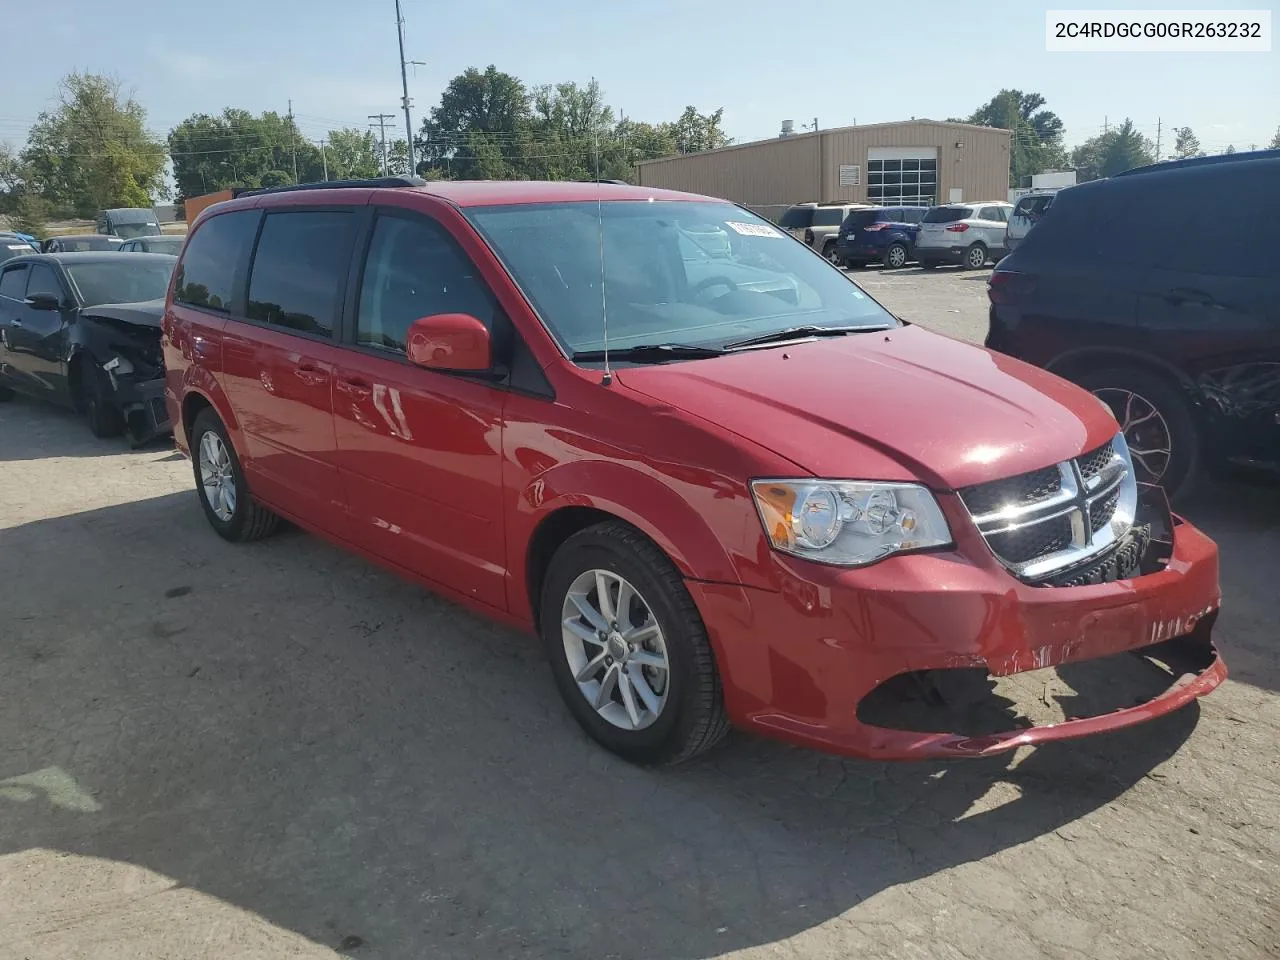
x=722, y=483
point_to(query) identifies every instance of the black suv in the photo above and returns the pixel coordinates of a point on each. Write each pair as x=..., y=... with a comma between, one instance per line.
x=1157, y=290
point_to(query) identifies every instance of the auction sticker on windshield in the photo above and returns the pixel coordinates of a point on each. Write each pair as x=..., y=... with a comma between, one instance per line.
x=752, y=229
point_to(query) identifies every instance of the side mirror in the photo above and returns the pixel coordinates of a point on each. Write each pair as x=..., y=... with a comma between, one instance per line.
x=43, y=301
x=450, y=341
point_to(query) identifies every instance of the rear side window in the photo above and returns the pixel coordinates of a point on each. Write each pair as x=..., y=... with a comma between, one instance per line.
x=828, y=216
x=1092, y=224
x=993, y=214
x=912, y=215
x=861, y=218
x=947, y=214
x=207, y=273
x=797, y=217
x=891, y=216
x=415, y=269
x=298, y=269
x=13, y=283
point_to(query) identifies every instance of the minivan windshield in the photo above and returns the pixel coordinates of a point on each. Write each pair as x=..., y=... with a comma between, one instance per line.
x=689, y=273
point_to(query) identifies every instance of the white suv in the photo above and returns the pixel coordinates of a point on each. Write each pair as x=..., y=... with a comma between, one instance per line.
x=968, y=234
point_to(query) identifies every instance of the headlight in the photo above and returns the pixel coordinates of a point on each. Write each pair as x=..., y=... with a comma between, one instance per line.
x=848, y=522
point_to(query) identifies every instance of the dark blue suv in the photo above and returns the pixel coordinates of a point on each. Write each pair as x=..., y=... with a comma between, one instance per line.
x=880, y=235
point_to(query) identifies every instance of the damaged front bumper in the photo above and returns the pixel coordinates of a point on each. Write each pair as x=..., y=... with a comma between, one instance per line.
x=925, y=655
x=140, y=402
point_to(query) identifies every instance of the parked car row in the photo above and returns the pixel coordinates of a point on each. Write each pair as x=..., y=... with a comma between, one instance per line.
x=969, y=235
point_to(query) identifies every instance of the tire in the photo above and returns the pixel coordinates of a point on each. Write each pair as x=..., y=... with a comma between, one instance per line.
x=690, y=717
x=1151, y=393
x=245, y=519
x=972, y=255
x=6, y=394
x=105, y=421
x=829, y=251
x=928, y=264
x=896, y=256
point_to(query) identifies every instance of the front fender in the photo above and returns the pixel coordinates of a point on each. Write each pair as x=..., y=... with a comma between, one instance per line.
x=651, y=503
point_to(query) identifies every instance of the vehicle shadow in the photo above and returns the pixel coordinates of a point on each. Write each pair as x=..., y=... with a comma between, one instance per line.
x=1244, y=519
x=34, y=430
x=295, y=732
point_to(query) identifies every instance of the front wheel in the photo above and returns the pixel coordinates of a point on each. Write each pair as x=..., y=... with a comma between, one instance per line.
x=224, y=493
x=628, y=651
x=1158, y=427
x=105, y=421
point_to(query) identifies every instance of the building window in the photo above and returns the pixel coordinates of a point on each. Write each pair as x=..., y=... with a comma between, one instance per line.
x=902, y=182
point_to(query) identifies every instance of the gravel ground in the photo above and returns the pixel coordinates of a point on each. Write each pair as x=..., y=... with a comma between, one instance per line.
x=277, y=750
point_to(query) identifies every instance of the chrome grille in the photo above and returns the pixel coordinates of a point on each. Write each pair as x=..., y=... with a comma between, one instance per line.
x=1042, y=523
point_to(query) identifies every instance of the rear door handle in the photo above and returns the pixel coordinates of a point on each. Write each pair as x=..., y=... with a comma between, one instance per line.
x=1182, y=295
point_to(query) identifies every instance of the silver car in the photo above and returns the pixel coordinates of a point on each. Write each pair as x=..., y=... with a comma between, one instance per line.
x=967, y=234
x=1026, y=213
x=818, y=224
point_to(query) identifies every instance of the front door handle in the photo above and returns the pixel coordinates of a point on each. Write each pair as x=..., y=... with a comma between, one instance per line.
x=356, y=387
x=310, y=374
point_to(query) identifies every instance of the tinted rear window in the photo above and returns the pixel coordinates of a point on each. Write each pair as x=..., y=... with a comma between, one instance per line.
x=299, y=267
x=861, y=218
x=797, y=217
x=207, y=273
x=828, y=216
x=947, y=214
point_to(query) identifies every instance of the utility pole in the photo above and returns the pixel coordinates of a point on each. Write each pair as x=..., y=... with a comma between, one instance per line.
x=404, y=85
x=293, y=140
x=1104, y=123
x=324, y=159
x=382, y=119
x=1158, y=129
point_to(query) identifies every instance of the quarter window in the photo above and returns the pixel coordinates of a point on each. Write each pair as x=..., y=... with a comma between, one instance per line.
x=893, y=182
x=298, y=269
x=415, y=269
x=207, y=273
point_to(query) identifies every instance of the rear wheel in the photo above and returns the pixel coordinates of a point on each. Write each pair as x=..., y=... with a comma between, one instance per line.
x=628, y=650
x=975, y=258
x=1158, y=427
x=105, y=421
x=224, y=493
x=829, y=251
x=895, y=256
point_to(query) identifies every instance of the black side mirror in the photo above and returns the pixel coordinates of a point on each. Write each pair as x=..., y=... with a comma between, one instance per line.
x=43, y=301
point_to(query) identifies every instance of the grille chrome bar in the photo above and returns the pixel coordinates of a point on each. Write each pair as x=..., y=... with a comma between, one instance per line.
x=1096, y=493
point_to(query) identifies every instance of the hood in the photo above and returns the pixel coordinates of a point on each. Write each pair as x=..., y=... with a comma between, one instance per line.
x=146, y=313
x=903, y=404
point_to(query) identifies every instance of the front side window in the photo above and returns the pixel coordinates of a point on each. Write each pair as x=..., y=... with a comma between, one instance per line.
x=415, y=269
x=43, y=280
x=752, y=281
x=207, y=273
x=298, y=269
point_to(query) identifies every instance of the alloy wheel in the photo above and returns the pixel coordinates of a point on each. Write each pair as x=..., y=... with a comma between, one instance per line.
x=977, y=258
x=615, y=649
x=897, y=256
x=1145, y=430
x=217, y=479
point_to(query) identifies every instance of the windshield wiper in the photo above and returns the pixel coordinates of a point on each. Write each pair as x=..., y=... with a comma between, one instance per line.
x=650, y=353
x=801, y=333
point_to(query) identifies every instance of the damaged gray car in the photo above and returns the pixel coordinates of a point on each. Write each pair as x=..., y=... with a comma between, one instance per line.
x=83, y=330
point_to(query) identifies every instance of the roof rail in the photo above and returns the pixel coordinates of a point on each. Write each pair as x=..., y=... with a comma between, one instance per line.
x=1202, y=161
x=621, y=183
x=339, y=185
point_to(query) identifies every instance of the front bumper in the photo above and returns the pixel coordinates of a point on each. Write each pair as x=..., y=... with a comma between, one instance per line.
x=798, y=663
x=141, y=402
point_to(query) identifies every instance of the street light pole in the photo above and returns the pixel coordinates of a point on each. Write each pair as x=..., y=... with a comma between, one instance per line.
x=404, y=85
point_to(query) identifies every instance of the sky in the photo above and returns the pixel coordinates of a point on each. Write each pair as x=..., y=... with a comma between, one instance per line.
x=763, y=61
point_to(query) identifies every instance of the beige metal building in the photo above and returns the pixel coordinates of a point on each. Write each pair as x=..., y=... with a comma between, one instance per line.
x=913, y=162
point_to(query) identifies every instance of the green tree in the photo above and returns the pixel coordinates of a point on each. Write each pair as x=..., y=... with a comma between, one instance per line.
x=1036, y=143
x=1112, y=152
x=1275, y=141
x=696, y=131
x=30, y=215
x=1231, y=148
x=353, y=154
x=236, y=148
x=93, y=151
x=1186, y=144
x=487, y=102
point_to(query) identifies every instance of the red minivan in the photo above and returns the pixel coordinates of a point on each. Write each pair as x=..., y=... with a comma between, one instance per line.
x=723, y=484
